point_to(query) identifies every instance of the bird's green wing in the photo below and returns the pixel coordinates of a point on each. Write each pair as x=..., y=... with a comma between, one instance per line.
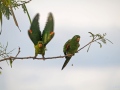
x=34, y=31
x=66, y=48
x=48, y=31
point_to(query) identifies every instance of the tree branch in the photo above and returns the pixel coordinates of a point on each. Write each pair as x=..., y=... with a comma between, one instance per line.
x=88, y=44
x=32, y=57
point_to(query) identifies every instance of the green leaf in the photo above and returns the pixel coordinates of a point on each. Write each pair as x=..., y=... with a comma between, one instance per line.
x=103, y=40
x=104, y=34
x=88, y=48
x=15, y=20
x=26, y=11
x=1, y=21
x=9, y=1
x=91, y=34
x=100, y=44
x=109, y=41
x=99, y=35
x=0, y=71
x=11, y=61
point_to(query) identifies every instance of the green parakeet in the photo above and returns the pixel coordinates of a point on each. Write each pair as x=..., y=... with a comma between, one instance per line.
x=41, y=40
x=70, y=47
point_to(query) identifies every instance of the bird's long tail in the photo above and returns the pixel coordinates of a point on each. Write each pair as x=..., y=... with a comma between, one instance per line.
x=66, y=62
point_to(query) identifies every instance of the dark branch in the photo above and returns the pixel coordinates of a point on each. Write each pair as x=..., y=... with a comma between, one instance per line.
x=32, y=57
x=89, y=43
x=17, y=53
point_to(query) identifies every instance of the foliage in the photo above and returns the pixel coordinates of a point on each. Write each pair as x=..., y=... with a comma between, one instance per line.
x=0, y=71
x=4, y=53
x=6, y=9
x=98, y=38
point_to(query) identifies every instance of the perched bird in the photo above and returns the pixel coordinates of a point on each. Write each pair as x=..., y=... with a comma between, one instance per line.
x=70, y=48
x=40, y=40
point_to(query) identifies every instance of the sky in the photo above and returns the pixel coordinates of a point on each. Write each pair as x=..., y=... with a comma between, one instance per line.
x=98, y=69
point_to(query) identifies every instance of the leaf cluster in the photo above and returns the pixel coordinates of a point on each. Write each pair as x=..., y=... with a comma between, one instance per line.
x=99, y=39
x=6, y=9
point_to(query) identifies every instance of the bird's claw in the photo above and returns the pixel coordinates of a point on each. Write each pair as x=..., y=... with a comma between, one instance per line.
x=43, y=58
x=34, y=57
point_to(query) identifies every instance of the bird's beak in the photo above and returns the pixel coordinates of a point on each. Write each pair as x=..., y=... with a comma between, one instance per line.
x=40, y=45
x=51, y=33
x=78, y=39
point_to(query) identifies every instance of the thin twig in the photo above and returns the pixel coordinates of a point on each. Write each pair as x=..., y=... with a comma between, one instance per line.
x=88, y=43
x=3, y=54
x=15, y=20
x=17, y=53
